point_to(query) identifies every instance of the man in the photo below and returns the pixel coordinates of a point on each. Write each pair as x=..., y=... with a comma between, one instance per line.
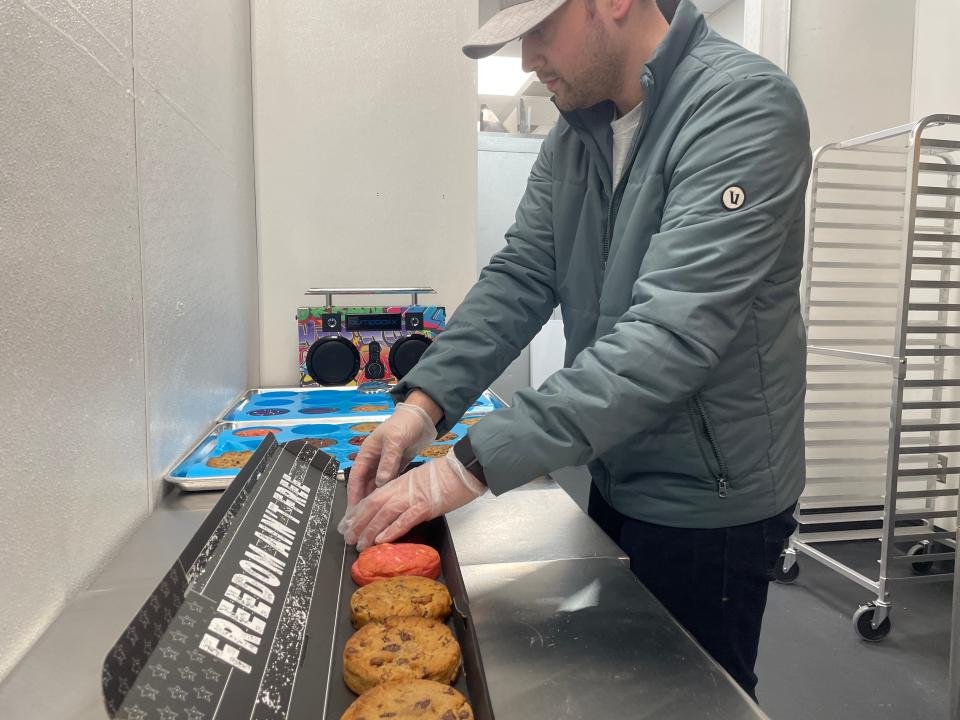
x=665, y=215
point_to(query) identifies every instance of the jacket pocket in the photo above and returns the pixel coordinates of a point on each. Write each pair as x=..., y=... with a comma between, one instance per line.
x=709, y=446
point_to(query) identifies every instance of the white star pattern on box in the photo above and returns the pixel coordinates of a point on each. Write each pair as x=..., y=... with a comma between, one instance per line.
x=148, y=691
x=203, y=693
x=168, y=714
x=211, y=674
x=118, y=654
x=194, y=714
x=195, y=606
x=132, y=636
x=159, y=671
x=196, y=656
x=135, y=713
x=169, y=653
x=187, y=620
x=177, y=693
x=144, y=620
x=186, y=673
x=179, y=637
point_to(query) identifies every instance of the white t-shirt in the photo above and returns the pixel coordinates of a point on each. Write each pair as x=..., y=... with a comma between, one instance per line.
x=624, y=128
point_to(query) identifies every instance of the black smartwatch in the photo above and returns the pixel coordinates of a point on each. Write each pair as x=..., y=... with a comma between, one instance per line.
x=463, y=451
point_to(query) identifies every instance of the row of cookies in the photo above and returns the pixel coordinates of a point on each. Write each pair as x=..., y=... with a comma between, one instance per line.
x=236, y=459
x=403, y=658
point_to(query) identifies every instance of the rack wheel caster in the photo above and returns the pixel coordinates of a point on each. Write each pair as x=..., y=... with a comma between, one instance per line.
x=921, y=548
x=786, y=576
x=863, y=624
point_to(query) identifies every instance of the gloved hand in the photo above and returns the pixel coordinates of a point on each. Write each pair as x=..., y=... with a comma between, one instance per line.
x=426, y=492
x=389, y=449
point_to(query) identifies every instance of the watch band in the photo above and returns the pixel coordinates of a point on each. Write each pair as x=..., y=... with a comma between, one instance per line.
x=463, y=450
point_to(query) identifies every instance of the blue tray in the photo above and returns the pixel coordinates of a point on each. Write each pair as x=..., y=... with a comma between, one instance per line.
x=310, y=405
x=193, y=472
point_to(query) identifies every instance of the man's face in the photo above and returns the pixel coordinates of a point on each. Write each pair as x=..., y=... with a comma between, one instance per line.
x=573, y=55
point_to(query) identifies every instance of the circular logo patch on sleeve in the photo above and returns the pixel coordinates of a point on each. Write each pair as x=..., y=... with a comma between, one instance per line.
x=733, y=197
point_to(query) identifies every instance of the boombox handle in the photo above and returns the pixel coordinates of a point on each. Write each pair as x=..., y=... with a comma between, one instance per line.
x=413, y=292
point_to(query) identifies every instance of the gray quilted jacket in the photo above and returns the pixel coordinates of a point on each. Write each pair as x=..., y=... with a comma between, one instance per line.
x=683, y=382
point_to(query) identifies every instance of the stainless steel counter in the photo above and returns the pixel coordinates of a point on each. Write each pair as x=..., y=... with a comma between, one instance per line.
x=565, y=629
x=584, y=639
x=536, y=522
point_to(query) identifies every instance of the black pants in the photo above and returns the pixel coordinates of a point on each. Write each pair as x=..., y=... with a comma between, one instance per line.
x=714, y=582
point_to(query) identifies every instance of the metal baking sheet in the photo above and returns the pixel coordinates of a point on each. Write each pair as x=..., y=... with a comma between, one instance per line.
x=252, y=619
x=340, y=404
x=194, y=473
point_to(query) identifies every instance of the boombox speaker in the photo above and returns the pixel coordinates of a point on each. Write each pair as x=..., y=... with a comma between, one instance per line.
x=350, y=345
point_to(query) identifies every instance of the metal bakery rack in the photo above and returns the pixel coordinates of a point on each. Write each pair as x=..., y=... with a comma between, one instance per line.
x=881, y=301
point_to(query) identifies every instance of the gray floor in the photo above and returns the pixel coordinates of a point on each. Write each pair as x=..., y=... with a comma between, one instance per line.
x=813, y=666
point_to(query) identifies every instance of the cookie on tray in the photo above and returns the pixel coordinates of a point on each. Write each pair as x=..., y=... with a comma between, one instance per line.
x=410, y=699
x=367, y=427
x=400, y=648
x=400, y=597
x=230, y=460
x=435, y=451
x=395, y=559
x=321, y=443
x=256, y=432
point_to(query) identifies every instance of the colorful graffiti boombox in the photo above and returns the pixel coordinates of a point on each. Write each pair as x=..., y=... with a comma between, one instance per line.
x=342, y=345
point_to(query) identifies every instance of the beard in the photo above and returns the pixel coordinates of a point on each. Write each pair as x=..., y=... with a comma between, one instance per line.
x=599, y=75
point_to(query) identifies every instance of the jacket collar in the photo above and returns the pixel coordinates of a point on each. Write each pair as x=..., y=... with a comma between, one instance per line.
x=593, y=123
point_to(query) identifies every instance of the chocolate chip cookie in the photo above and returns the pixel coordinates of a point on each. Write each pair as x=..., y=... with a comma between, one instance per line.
x=400, y=648
x=230, y=460
x=400, y=597
x=409, y=699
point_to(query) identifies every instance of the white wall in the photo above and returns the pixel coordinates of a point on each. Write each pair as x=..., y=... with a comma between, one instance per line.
x=198, y=218
x=898, y=65
x=935, y=90
x=852, y=62
x=128, y=249
x=935, y=65
x=365, y=118
x=728, y=21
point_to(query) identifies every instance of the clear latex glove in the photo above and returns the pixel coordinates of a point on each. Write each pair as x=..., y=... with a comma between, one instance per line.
x=389, y=449
x=426, y=492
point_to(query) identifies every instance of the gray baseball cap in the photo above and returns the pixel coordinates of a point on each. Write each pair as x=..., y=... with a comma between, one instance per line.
x=515, y=18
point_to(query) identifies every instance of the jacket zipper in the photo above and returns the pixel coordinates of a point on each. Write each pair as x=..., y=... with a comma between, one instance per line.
x=611, y=219
x=617, y=197
x=721, y=476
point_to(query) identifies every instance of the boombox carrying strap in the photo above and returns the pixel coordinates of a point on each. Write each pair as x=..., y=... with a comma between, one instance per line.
x=413, y=292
